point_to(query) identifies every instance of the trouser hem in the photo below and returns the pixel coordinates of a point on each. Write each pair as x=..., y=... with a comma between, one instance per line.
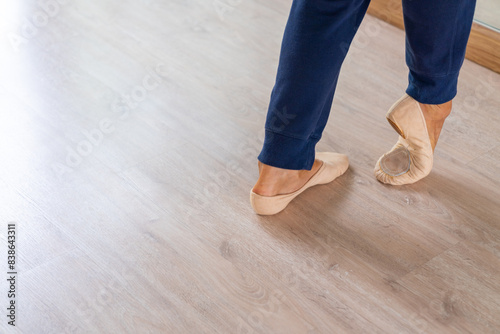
x=287, y=152
x=432, y=90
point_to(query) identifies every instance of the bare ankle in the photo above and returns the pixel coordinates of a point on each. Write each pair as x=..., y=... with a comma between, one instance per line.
x=436, y=112
x=435, y=115
x=273, y=180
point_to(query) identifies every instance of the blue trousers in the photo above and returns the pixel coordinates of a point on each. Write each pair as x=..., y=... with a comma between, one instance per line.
x=317, y=37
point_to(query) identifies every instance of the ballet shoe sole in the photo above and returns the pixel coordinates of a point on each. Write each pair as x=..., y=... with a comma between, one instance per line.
x=413, y=174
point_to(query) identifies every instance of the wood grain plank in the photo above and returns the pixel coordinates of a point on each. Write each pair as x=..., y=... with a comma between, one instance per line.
x=151, y=231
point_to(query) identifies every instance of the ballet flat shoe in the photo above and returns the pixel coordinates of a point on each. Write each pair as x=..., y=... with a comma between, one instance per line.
x=411, y=158
x=334, y=165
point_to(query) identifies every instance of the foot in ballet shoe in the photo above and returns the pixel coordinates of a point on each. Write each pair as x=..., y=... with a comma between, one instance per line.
x=333, y=165
x=411, y=158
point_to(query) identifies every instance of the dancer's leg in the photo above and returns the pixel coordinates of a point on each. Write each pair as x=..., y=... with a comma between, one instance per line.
x=436, y=39
x=316, y=39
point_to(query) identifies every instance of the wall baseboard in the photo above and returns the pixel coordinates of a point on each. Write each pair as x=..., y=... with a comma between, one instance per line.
x=484, y=43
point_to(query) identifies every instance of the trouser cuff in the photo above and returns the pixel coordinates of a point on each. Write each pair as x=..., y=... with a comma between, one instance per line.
x=287, y=152
x=432, y=90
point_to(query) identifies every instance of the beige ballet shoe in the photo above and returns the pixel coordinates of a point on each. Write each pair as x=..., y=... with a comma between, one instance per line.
x=334, y=165
x=411, y=158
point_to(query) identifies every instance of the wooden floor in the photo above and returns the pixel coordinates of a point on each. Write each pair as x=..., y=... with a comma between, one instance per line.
x=129, y=132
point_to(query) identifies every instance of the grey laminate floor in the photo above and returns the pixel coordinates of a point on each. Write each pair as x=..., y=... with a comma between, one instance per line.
x=129, y=132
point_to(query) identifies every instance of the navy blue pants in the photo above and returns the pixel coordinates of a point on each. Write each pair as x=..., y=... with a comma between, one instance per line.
x=316, y=39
